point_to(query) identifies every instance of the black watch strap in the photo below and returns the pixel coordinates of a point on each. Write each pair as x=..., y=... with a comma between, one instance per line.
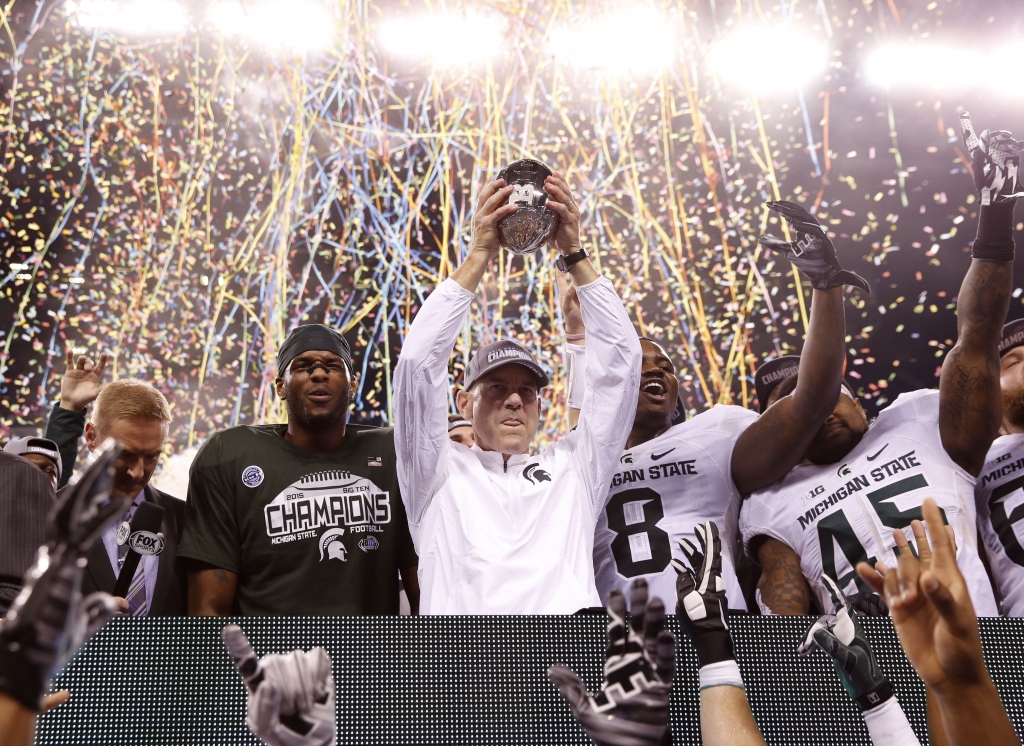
x=564, y=262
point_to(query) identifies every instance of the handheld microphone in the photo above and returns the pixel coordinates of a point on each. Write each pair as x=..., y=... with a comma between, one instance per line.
x=142, y=537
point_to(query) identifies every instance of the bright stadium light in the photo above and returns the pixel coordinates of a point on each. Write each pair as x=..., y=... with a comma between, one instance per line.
x=765, y=60
x=446, y=39
x=129, y=16
x=926, y=66
x=637, y=40
x=296, y=26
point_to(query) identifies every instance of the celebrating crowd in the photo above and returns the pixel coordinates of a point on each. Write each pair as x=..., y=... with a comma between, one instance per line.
x=802, y=507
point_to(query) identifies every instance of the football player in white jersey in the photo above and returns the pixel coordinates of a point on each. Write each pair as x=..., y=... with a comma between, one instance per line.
x=859, y=483
x=999, y=493
x=675, y=477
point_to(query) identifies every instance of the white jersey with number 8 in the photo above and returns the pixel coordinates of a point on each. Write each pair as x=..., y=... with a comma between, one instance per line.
x=837, y=515
x=661, y=490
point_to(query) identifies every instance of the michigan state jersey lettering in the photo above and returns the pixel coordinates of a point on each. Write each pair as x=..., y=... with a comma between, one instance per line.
x=999, y=497
x=838, y=515
x=662, y=489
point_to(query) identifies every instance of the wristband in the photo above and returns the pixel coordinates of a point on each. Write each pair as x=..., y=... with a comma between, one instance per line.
x=994, y=241
x=876, y=697
x=888, y=726
x=574, y=337
x=723, y=673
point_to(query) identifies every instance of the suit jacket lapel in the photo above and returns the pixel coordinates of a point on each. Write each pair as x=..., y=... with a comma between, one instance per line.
x=99, y=569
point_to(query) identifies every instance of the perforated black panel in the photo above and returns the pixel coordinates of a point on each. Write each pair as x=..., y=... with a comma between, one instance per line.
x=462, y=680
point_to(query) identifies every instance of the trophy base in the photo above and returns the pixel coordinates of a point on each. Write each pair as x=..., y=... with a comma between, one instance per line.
x=526, y=230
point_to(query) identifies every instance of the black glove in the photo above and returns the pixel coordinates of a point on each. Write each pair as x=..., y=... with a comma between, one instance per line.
x=632, y=707
x=995, y=161
x=700, y=600
x=812, y=251
x=868, y=603
x=840, y=635
x=49, y=619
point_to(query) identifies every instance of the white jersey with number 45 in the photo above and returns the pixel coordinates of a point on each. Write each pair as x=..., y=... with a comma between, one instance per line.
x=837, y=515
x=1000, y=500
x=661, y=490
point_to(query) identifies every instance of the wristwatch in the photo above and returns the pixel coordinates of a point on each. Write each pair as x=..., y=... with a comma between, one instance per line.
x=564, y=262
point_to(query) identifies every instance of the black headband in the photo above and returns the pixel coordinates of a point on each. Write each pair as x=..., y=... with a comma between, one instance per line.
x=312, y=337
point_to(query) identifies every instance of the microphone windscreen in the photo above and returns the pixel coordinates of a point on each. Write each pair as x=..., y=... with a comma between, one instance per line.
x=148, y=517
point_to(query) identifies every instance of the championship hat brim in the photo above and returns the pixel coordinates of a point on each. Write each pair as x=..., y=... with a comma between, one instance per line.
x=1013, y=336
x=771, y=374
x=499, y=354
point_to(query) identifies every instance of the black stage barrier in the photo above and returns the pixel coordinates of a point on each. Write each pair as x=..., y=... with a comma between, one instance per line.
x=464, y=680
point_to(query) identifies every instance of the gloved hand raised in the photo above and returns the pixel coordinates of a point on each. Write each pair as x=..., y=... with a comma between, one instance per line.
x=631, y=709
x=49, y=620
x=842, y=638
x=291, y=696
x=702, y=605
x=811, y=251
x=995, y=161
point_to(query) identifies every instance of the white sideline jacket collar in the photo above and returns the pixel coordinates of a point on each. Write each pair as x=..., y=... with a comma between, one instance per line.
x=494, y=461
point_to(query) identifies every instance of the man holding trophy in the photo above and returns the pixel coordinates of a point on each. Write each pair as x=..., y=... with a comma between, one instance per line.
x=500, y=529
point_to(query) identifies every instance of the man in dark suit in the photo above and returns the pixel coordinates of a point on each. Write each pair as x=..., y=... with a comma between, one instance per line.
x=138, y=417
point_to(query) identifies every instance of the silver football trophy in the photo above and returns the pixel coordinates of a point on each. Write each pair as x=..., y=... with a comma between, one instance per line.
x=533, y=223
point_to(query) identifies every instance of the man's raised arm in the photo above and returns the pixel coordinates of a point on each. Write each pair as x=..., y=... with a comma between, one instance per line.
x=421, y=377
x=773, y=445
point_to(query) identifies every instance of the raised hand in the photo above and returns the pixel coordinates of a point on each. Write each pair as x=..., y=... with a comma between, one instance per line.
x=841, y=637
x=995, y=161
x=81, y=382
x=812, y=251
x=631, y=709
x=291, y=696
x=701, y=602
x=930, y=605
x=490, y=209
x=560, y=201
x=49, y=620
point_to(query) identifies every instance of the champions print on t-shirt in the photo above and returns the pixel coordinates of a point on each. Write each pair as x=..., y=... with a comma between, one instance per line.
x=327, y=500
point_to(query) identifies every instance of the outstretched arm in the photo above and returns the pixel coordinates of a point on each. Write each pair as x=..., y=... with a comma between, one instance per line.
x=776, y=442
x=970, y=399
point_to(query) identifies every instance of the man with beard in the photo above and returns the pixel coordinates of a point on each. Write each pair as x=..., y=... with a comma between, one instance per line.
x=302, y=518
x=998, y=495
x=673, y=478
x=858, y=484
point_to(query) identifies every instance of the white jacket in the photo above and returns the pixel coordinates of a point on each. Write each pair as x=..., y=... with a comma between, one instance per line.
x=516, y=537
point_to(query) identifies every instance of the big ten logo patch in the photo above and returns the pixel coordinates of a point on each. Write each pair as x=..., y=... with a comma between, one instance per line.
x=327, y=500
x=252, y=476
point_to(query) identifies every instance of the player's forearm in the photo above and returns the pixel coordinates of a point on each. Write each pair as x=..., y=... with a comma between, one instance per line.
x=888, y=725
x=821, y=361
x=974, y=714
x=782, y=585
x=211, y=592
x=17, y=722
x=725, y=718
x=471, y=271
x=981, y=307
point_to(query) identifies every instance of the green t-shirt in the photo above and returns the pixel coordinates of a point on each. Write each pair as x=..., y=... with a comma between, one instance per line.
x=307, y=533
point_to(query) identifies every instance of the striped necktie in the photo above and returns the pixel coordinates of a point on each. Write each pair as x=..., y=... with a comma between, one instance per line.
x=136, y=597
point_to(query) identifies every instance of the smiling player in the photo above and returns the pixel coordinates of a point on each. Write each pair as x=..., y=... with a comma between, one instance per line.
x=674, y=477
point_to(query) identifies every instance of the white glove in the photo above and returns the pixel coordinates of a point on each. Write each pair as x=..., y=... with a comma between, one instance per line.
x=291, y=696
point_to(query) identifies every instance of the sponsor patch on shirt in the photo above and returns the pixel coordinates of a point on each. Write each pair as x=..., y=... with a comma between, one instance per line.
x=252, y=476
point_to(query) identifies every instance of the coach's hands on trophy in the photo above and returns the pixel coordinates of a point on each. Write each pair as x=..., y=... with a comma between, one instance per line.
x=701, y=604
x=930, y=606
x=995, y=162
x=631, y=709
x=560, y=201
x=291, y=696
x=491, y=208
x=811, y=251
x=49, y=620
x=842, y=638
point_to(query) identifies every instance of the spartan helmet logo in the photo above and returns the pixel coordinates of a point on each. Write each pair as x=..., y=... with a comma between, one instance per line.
x=532, y=224
x=844, y=471
x=531, y=472
x=332, y=546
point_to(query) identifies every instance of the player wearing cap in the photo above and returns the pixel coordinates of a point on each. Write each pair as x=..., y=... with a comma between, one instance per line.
x=859, y=483
x=300, y=518
x=460, y=430
x=500, y=529
x=676, y=475
x=998, y=493
x=41, y=452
